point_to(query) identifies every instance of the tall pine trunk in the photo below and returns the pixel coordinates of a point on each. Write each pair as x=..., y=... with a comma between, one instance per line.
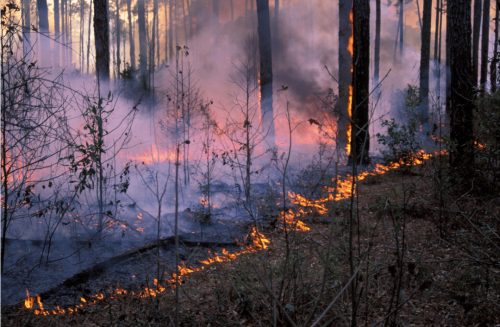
x=266, y=71
x=26, y=26
x=424, y=62
x=436, y=31
x=101, y=37
x=461, y=104
x=361, y=81
x=131, y=35
x=377, y=46
x=448, y=68
x=57, y=32
x=276, y=36
x=88, y=37
x=494, y=62
x=401, y=28
x=485, y=42
x=170, y=30
x=43, y=26
x=345, y=71
x=475, y=40
x=118, y=39
x=143, y=51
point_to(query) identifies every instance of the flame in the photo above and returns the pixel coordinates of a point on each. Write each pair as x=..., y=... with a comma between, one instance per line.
x=257, y=240
x=350, y=48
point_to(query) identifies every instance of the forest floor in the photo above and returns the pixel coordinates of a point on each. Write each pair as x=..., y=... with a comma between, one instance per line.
x=414, y=250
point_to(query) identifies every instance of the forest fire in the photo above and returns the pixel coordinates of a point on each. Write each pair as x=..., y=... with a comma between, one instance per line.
x=258, y=242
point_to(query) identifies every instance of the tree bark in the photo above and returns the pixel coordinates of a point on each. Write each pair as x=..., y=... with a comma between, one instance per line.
x=377, y=46
x=436, y=31
x=276, y=37
x=170, y=30
x=131, y=35
x=43, y=27
x=401, y=31
x=475, y=41
x=494, y=62
x=461, y=104
x=56, y=31
x=266, y=71
x=448, y=69
x=143, y=51
x=485, y=42
x=118, y=36
x=88, y=37
x=101, y=37
x=425, y=53
x=27, y=26
x=361, y=80
x=345, y=72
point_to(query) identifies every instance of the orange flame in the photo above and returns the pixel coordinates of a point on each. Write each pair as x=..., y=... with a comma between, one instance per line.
x=350, y=48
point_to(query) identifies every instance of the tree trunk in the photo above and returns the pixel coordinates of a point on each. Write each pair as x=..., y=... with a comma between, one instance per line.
x=27, y=27
x=424, y=62
x=43, y=27
x=401, y=31
x=494, y=62
x=88, y=37
x=118, y=37
x=81, y=36
x=232, y=9
x=131, y=35
x=461, y=103
x=361, y=81
x=475, y=40
x=448, y=68
x=436, y=31
x=485, y=42
x=56, y=32
x=170, y=30
x=266, y=71
x=143, y=51
x=101, y=37
x=377, y=46
x=345, y=73
x=276, y=37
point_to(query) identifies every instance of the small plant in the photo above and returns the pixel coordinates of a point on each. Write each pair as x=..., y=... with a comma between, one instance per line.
x=402, y=138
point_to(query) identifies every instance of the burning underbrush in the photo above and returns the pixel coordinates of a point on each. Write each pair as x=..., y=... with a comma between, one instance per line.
x=281, y=274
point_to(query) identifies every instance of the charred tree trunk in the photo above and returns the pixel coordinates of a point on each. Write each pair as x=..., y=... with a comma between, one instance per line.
x=461, y=104
x=101, y=36
x=143, y=51
x=131, y=35
x=494, y=62
x=118, y=37
x=377, y=46
x=485, y=42
x=266, y=71
x=436, y=31
x=424, y=62
x=345, y=72
x=43, y=26
x=448, y=69
x=361, y=81
x=475, y=40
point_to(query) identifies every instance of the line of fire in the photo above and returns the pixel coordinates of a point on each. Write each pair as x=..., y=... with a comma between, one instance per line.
x=250, y=163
